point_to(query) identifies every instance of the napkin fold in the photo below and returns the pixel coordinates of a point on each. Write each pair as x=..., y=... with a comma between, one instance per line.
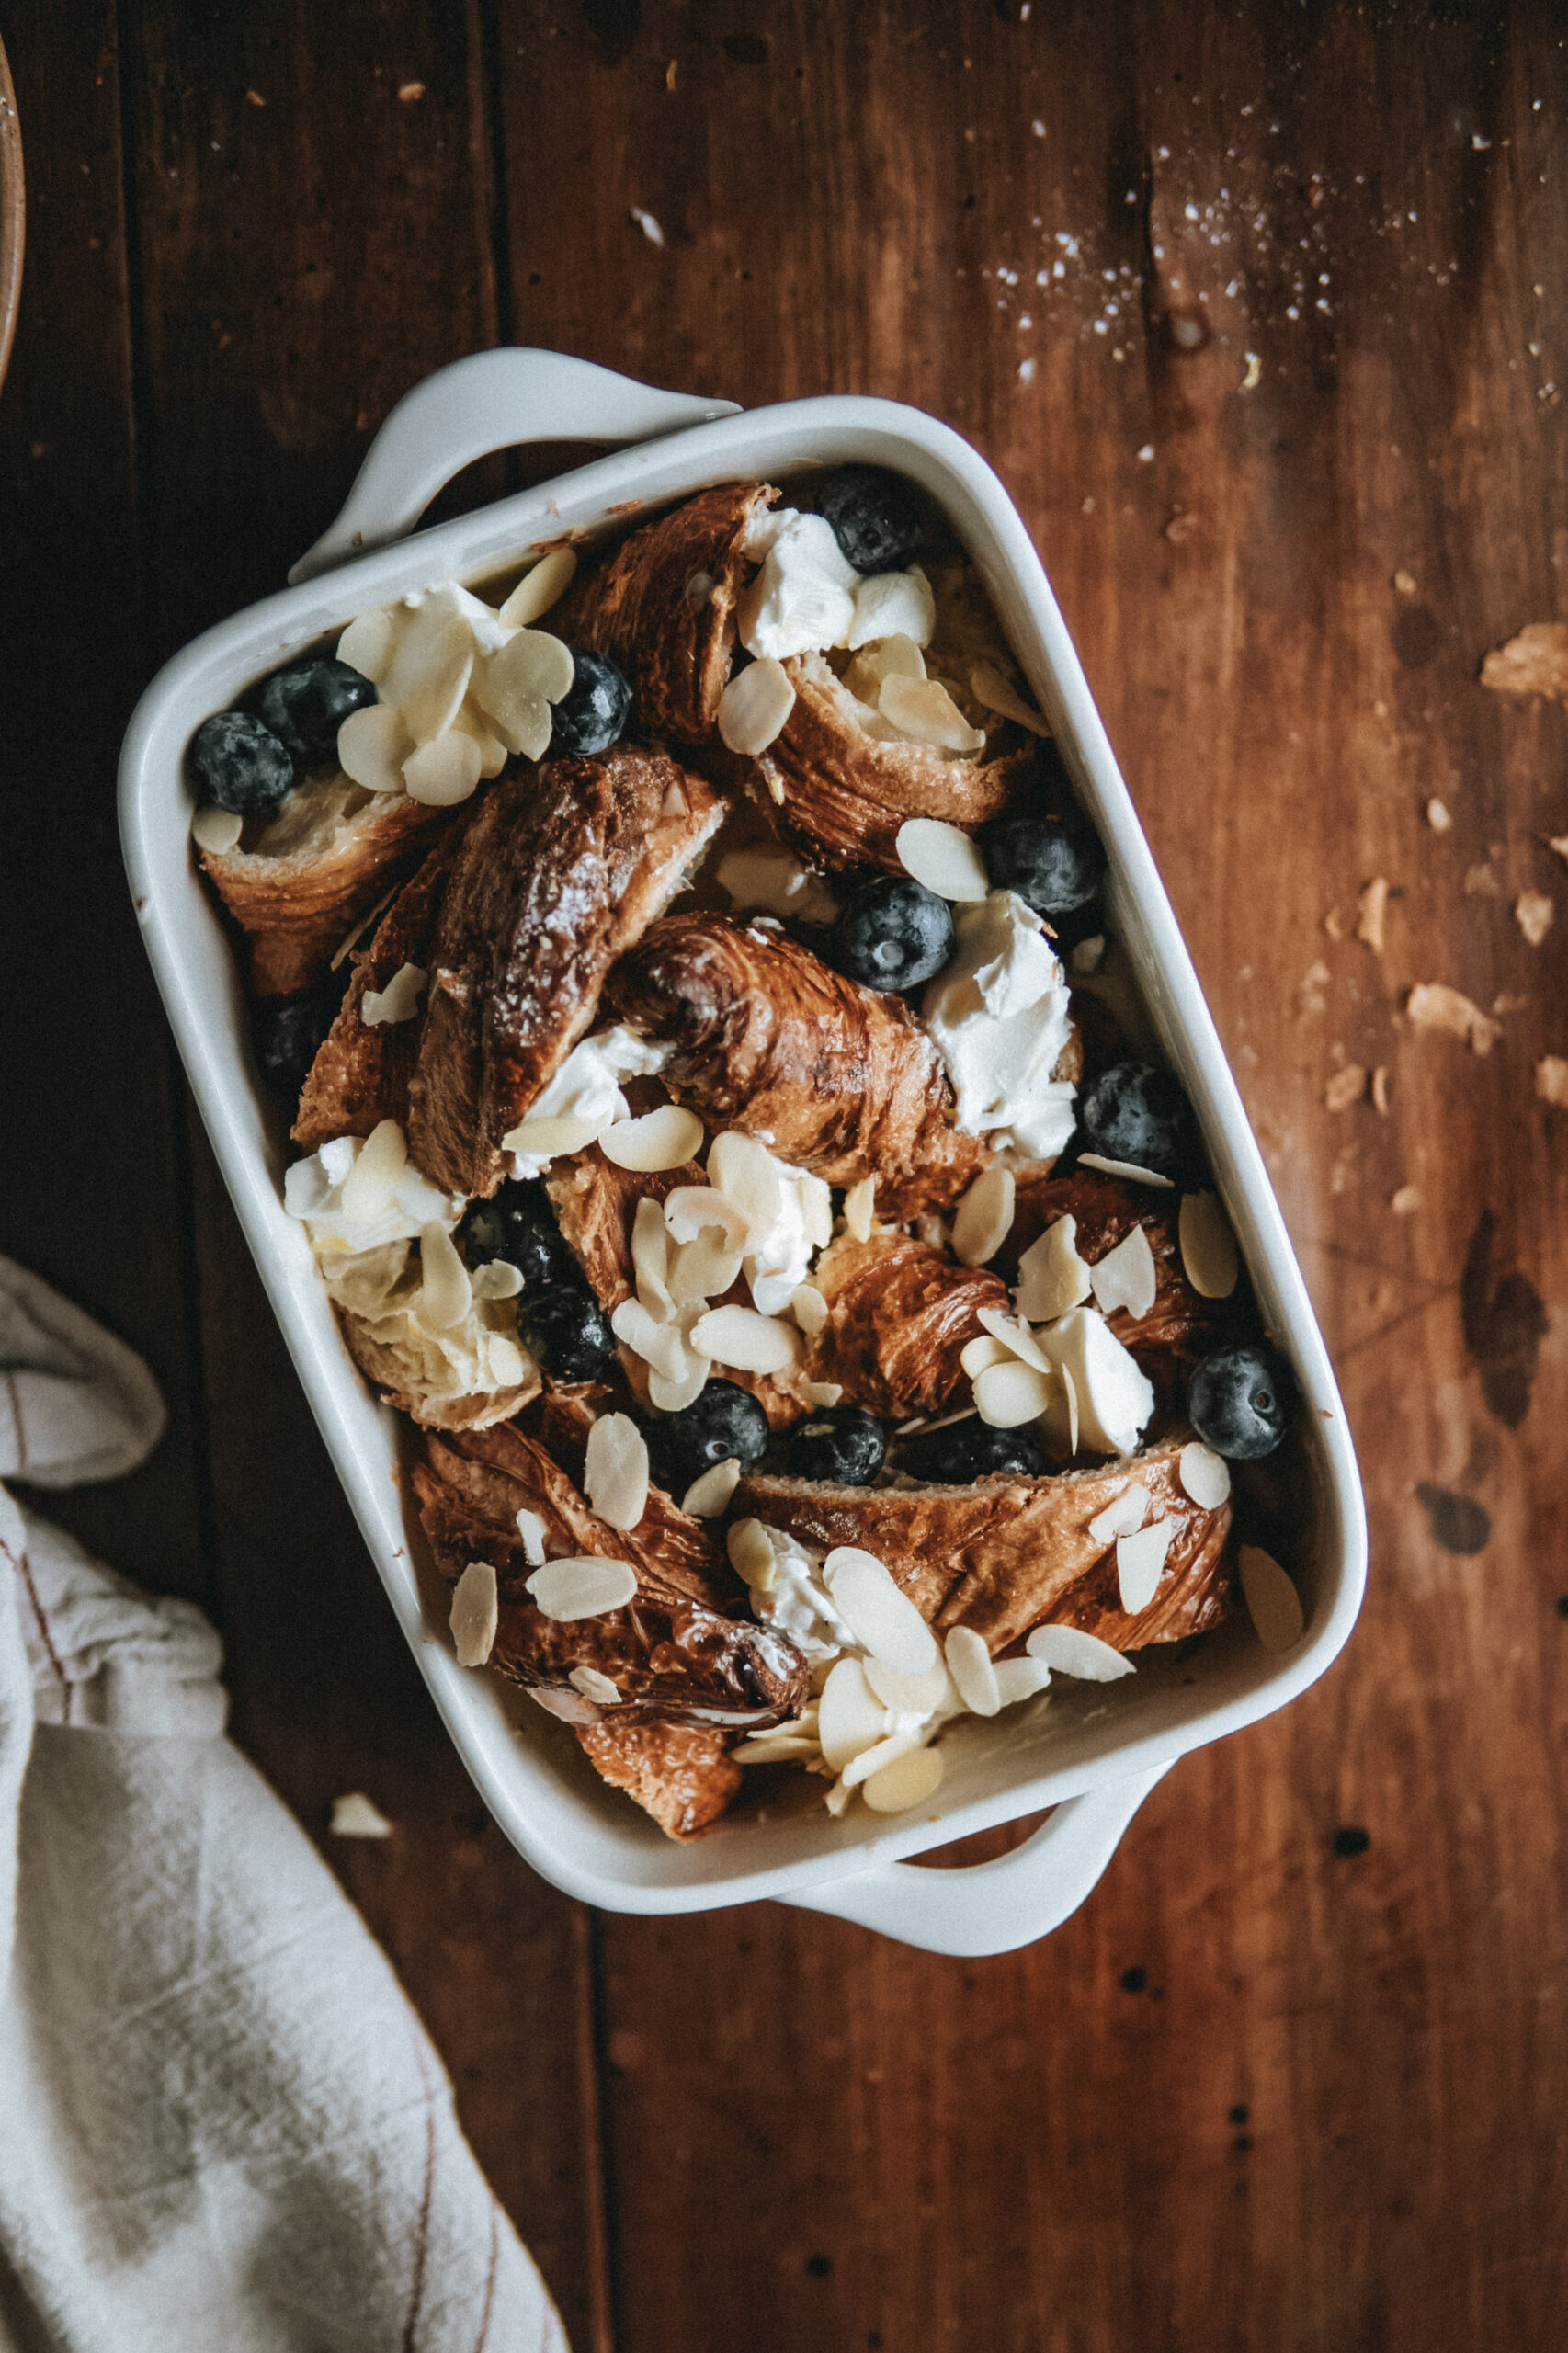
x=221, y=2125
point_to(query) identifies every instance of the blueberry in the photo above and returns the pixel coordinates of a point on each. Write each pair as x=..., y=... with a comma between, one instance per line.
x=723, y=1420
x=972, y=1450
x=287, y=1032
x=874, y=516
x=306, y=704
x=1053, y=863
x=241, y=762
x=1140, y=1114
x=519, y=1224
x=593, y=713
x=894, y=934
x=566, y=1331
x=844, y=1444
x=1240, y=1401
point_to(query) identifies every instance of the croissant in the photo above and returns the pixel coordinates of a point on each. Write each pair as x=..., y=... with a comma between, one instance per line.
x=321, y=865
x=663, y=605
x=898, y=1316
x=681, y=1774
x=1008, y=1554
x=562, y=870
x=833, y=1078
x=840, y=795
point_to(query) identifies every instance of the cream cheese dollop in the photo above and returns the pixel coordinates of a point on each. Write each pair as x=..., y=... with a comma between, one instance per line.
x=587, y=1092
x=777, y=1261
x=998, y=1014
x=358, y=1194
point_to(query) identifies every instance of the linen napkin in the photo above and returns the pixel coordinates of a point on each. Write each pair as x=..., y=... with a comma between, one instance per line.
x=222, y=2128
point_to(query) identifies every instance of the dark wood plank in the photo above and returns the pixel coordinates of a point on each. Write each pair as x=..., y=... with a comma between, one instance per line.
x=1320, y=2110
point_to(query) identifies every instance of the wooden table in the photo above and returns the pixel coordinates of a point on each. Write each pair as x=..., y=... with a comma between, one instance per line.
x=1260, y=313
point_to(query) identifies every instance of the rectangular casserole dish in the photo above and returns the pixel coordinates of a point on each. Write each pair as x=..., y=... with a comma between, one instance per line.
x=1087, y=1751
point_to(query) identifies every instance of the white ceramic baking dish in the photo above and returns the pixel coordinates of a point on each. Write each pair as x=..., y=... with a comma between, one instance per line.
x=1090, y=1752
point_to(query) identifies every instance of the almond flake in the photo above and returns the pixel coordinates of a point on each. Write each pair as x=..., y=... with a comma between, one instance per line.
x=547, y=1138
x=808, y=1309
x=431, y=701
x=1438, y=815
x=1140, y=1563
x=474, y=1614
x=1204, y=1475
x=969, y=1664
x=984, y=1217
x=1551, y=1079
x=755, y=707
x=1089, y=956
x=1273, y=1603
x=443, y=771
x=850, y=1719
x=1346, y=1087
x=1123, y=1516
x=1019, y=1679
x=355, y=1817
x=1372, y=902
x=1380, y=1091
x=690, y=1210
x=752, y=1556
x=907, y=1782
x=651, y=1258
x=977, y=1356
x=1016, y=1338
x=744, y=1341
x=1533, y=662
x=673, y=1397
x=1134, y=1174
x=821, y=1393
x=615, y=1476
x=991, y=689
x=1114, y=1396
x=497, y=1279
x=666, y=1138
x=659, y=1345
x=876, y=1612
x=368, y=643
x=703, y=1269
x=582, y=1588
x=217, y=831
x=373, y=746
x=399, y=1001
x=1407, y=1202
x=860, y=1207
x=1067, y=1650
x=445, y=1292
x=922, y=709
x=746, y=1173
x=1126, y=1276
x=594, y=1685
x=1558, y=842
x=883, y=1755
x=1053, y=1277
x=1533, y=912
x=941, y=855
x=710, y=1494
x=1008, y=1394
x=1207, y=1245
x=530, y=1527
x=537, y=589
x=910, y=1695
x=1432, y=1005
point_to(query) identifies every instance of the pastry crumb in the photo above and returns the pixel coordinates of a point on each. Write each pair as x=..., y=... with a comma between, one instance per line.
x=1432, y=1005
x=1372, y=902
x=1551, y=1079
x=1312, y=996
x=1534, y=913
x=1438, y=815
x=1333, y=925
x=1481, y=881
x=410, y=93
x=356, y=1816
x=1533, y=662
x=1404, y=584
x=1407, y=1202
x=1346, y=1087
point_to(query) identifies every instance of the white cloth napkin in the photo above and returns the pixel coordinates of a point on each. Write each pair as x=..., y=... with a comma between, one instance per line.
x=222, y=2128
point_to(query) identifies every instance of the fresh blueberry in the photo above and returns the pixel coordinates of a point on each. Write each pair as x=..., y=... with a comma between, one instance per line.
x=593, y=713
x=894, y=934
x=874, y=516
x=1138, y=1115
x=1053, y=863
x=306, y=704
x=722, y=1422
x=287, y=1032
x=566, y=1331
x=519, y=1224
x=241, y=762
x=844, y=1444
x=972, y=1450
x=1240, y=1401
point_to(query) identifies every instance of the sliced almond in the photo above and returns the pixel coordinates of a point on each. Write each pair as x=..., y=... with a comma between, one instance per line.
x=851, y=1718
x=659, y=1345
x=1204, y=1475
x=1015, y=1338
x=1126, y=1276
x=651, y=1258
x=1207, y=1245
x=367, y=644
x=910, y=1695
x=984, y=1217
x=673, y=1397
x=1439, y=815
x=445, y=1292
x=547, y=1139
x=922, y=709
x=615, y=1474
x=378, y=1164
x=1053, y=1277
x=708, y=1496
x=1371, y=920
x=1128, y=1168
x=941, y=856
x=969, y=1664
x=877, y=1759
x=860, y=1207
x=745, y=1341
x=444, y=770
x=539, y=589
x=988, y=686
x=594, y=1685
x=492, y=751
x=373, y=746
x=530, y=1527
x=876, y=1612
x=1123, y=1516
x=1551, y=1079
x=1068, y=1651
x=746, y=1173
x=1533, y=912
x=399, y=1001
x=755, y=707
x=1273, y=1603
x=893, y=604
x=909, y=1782
x=497, y=1279
x=663, y=1139
x=475, y=1613
x=976, y=1356
x=217, y=831
x=429, y=709
x=752, y=1557
x=1019, y=1679
x=582, y=1588
x=808, y=1309
x=703, y=1269
x=1140, y=1564
x=692, y=1208
x=821, y=1393
x=1008, y=1394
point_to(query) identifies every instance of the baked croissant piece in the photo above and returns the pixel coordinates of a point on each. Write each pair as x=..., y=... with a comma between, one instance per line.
x=1008, y=1554
x=840, y=795
x=663, y=605
x=323, y=862
x=833, y=1078
x=898, y=1316
x=562, y=870
x=682, y=1774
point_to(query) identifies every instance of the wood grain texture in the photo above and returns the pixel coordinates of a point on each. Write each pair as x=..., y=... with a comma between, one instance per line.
x=1259, y=316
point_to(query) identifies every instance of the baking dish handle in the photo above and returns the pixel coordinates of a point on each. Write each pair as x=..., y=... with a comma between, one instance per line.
x=493, y=400
x=997, y=1906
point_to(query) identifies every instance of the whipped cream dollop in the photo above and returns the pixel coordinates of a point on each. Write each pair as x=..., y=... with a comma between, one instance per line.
x=998, y=1014
x=360, y=1193
x=584, y=1098
x=808, y=596
x=799, y=1604
x=779, y=1260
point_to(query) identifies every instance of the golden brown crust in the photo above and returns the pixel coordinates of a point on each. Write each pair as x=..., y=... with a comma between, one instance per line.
x=681, y=1774
x=298, y=903
x=841, y=795
x=561, y=871
x=767, y=1039
x=898, y=1316
x=595, y=1204
x=663, y=605
x=1007, y=1554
